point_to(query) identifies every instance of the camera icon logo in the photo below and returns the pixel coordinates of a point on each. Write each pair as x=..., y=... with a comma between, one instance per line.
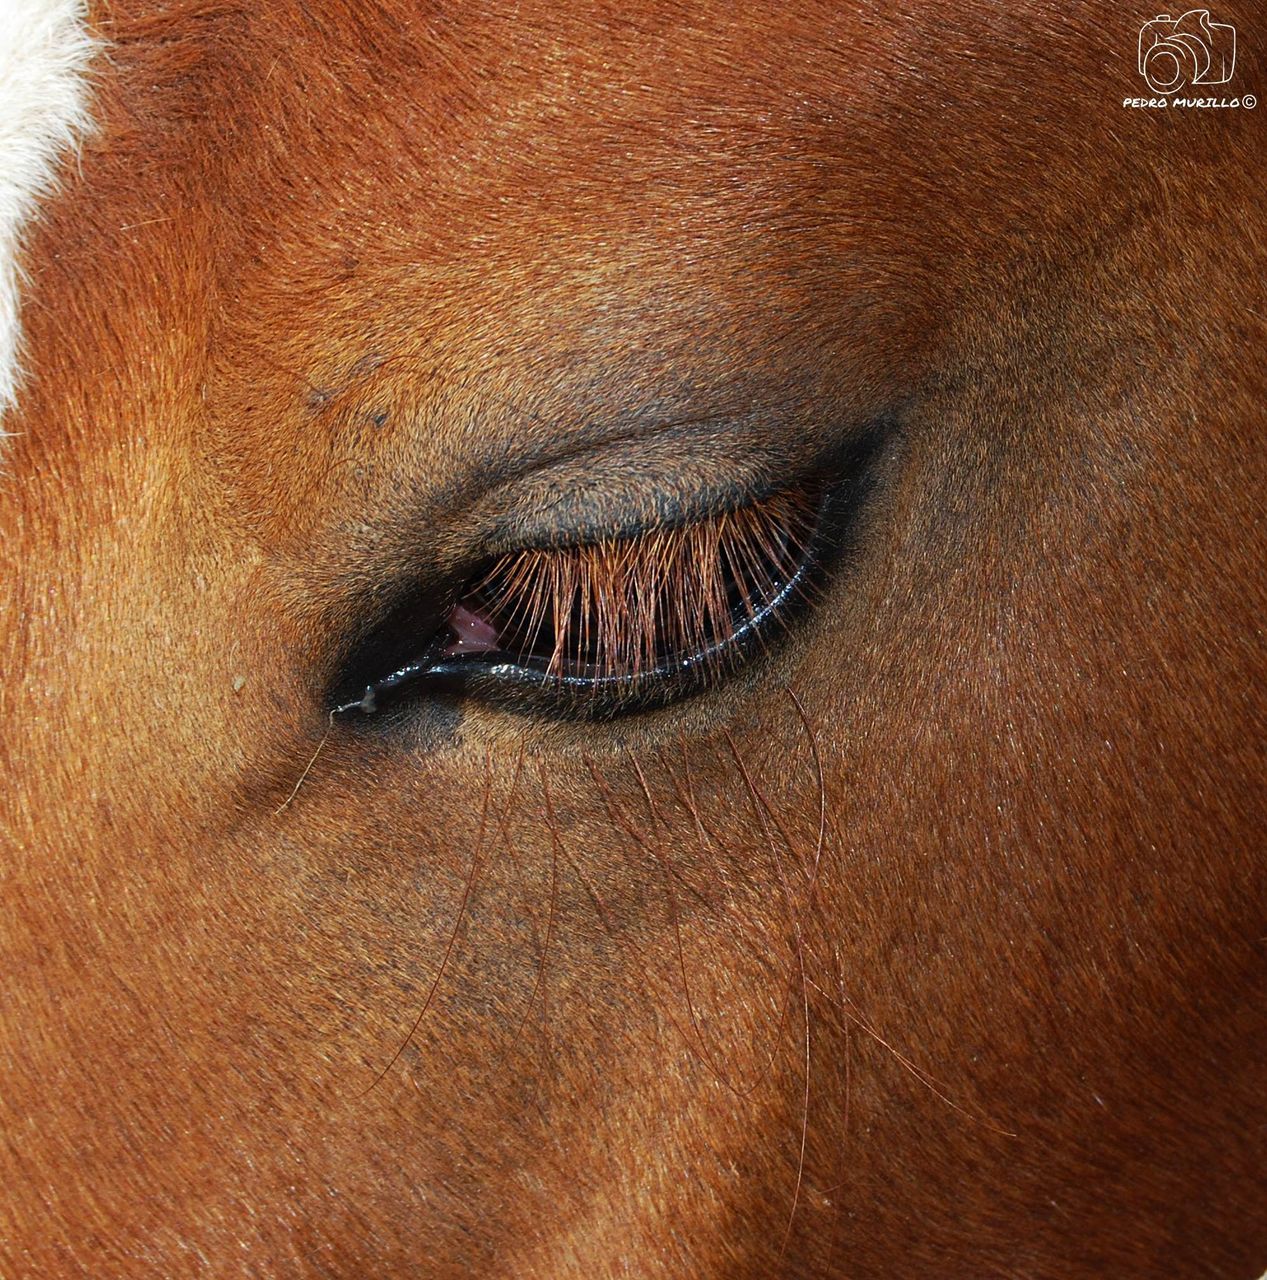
x=1176, y=52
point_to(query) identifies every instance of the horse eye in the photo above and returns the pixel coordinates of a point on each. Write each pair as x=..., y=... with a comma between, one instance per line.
x=617, y=625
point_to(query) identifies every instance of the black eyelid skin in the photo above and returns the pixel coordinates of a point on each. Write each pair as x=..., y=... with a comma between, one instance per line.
x=423, y=666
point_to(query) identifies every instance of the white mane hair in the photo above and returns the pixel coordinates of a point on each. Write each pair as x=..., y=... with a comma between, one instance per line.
x=45, y=47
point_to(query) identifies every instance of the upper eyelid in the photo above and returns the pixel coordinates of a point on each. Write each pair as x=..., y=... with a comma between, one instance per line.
x=582, y=417
x=635, y=488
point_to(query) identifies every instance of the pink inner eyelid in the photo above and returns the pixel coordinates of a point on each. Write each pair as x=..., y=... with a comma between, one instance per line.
x=472, y=633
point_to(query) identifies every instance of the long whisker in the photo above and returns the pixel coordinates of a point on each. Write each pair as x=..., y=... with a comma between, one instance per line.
x=751, y=947
x=453, y=935
x=553, y=824
x=285, y=804
x=617, y=816
x=661, y=859
x=760, y=808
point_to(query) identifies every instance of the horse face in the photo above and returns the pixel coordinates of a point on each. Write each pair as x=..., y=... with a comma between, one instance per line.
x=919, y=930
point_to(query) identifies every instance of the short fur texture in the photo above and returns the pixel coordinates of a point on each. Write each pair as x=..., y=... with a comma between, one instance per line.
x=931, y=946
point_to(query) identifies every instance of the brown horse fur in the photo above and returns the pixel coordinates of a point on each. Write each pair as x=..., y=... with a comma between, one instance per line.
x=932, y=944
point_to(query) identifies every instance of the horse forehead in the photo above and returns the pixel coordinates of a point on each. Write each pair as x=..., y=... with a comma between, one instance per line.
x=500, y=117
x=315, y=119
x=310, y=188
x=530, y=168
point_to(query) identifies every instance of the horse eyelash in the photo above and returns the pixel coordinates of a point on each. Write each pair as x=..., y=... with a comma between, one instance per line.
x=621, y=610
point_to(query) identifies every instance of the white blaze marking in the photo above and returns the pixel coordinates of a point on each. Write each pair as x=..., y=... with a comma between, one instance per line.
x=44, y=52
